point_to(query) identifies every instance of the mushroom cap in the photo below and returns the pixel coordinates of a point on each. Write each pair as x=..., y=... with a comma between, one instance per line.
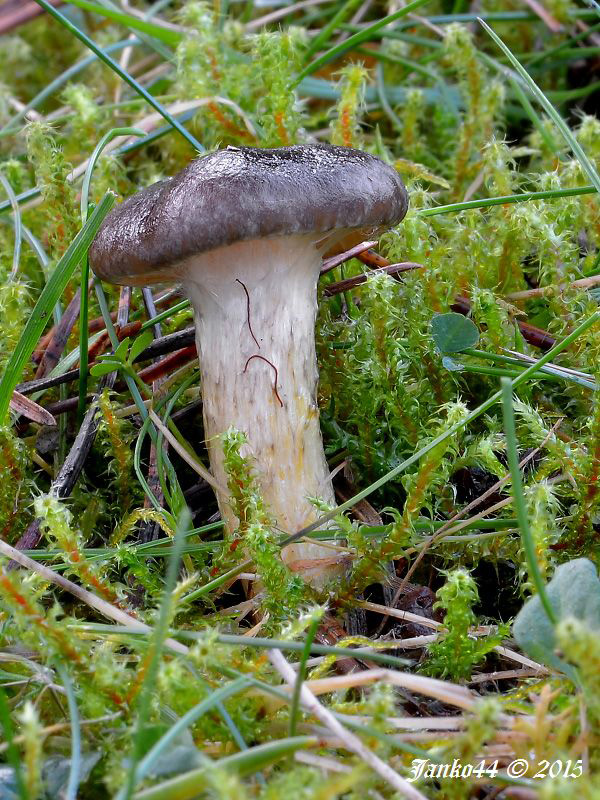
x=242, y=193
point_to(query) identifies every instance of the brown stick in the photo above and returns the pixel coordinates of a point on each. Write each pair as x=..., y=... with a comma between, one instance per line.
x=357, y=280
x=14, y=13
x=67, y=476
x=159, y=347
x=535, y=336
x=372, y=259
x=541, y=291
x=166, y=365
x=60, y=336
x=340, y=258
x=547, y=18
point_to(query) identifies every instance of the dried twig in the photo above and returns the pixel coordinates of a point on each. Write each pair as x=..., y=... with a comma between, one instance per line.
x=279, y=13
x=481, y=630
x=357, y=280
x=544, y=291
x=450, y=693
x=547, y=18
x=505, y=675
x=67, y=476
x=16, y=12
x=349, y=739
x=340, y=258
x=180, y=450
x=60, y=336
x=105, y=608
x=166, y=344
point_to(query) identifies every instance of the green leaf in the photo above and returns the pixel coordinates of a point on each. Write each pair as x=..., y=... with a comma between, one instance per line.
x=85, y=272
x=11, y=780
x=42, y=312
x=520, y=504
x=522, y=197
x=93, y=160
x=139, y=345
x=325, y=33
x=161, y=629
x=453, y=333
x=120, y=353
x=574, y=591
x=74, y=774
x=104, y=367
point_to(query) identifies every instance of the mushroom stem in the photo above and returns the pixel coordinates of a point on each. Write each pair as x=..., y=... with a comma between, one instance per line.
x=255, y=307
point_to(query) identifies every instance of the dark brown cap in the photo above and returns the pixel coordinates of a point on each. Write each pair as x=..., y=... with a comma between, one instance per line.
x=242, y=193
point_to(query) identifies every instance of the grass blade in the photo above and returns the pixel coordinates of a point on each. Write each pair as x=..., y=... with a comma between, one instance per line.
x=190, y=784
x=17, y=223
x=325, y=33
x=108, y=137
x=11, y=751
x=519, y=499
x=165, y=35
x=357, y=38
x=188, y=719
x=47, y=300
x=85, y=271
x=75, y=771
x=533, y=116
x=578, y=151
x=156, y=645
x=152, y=101
x=522, y=197
x=295, y=704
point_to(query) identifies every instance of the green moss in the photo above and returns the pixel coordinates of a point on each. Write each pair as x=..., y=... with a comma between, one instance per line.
x=455, y=653
x=456, y=129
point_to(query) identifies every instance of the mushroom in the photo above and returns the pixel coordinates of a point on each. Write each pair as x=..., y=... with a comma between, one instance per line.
x=244, y=230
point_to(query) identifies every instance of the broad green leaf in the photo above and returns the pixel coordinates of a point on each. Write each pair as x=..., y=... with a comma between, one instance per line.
x=120, y=353
x=140, y=344
x=104, y=367
x=574, y=591
x=453, y=333
x=41, y=314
